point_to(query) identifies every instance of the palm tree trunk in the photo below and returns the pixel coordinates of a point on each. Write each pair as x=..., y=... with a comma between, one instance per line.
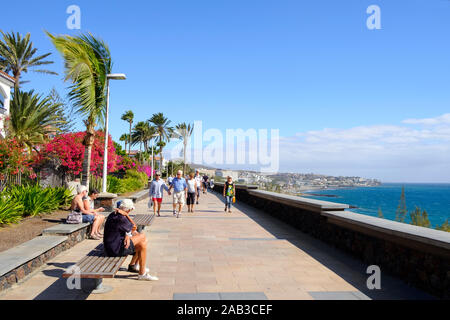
x=88, y=141
x=86, y=166
x=129, y=138
x=184, y=156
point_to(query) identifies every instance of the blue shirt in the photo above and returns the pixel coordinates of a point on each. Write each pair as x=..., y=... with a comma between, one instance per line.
x=179, y=184
x=156, y=188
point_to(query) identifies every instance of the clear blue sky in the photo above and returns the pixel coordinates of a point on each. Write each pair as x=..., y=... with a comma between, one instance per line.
x=297, y=66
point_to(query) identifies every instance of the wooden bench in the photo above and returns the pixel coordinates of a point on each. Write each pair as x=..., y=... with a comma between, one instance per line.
x=143, y=220
x=96, y=266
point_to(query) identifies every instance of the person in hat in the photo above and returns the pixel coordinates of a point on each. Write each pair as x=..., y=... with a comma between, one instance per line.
x=121, y=239
x=156, y=192
x=179, y=186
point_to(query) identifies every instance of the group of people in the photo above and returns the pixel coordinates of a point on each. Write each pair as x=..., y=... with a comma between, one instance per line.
x=187, y=190
x=120, y=237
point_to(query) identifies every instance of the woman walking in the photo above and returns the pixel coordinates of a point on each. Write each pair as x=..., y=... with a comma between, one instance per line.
x=192, y=191
x=229, y=192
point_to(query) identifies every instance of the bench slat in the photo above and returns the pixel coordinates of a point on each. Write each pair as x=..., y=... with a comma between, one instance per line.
x=104, y=267
x=93, y=266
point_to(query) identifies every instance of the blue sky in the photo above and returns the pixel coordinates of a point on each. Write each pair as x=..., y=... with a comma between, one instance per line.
x=307, y=68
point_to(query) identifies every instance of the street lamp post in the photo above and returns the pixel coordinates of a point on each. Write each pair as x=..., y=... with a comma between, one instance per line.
x=153, y=147
x=115, y=76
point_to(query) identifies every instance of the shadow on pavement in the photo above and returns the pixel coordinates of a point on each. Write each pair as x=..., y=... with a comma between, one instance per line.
x=344, y=265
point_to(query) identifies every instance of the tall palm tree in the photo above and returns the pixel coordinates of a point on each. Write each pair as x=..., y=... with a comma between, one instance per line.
x=163, y=129
x=33, y=118
x=184, y=132
x=126, y=138
x=128, y=117
x=17, y=56
x=142, y=133
x=87, y=64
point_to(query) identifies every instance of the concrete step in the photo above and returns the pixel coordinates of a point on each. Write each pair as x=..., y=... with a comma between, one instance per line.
x=21, y=254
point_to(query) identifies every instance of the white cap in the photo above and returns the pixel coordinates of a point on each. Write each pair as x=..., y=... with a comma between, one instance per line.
x=127, y=204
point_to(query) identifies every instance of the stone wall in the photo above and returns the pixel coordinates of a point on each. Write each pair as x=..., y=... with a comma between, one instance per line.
x=18, y=274
x=419, y=256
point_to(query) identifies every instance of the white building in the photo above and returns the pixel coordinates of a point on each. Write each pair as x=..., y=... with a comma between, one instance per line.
x=6, y=84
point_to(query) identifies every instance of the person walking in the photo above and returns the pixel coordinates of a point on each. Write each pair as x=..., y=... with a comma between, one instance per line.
x=192, y=190
x=229, y=192
x=156, y=192
x=179, y=186
x=205, y=183
x=198, y=180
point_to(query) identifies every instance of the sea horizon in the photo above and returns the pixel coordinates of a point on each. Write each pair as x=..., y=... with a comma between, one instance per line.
x=432, y=197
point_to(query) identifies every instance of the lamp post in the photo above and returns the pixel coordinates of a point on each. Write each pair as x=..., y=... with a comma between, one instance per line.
x=112, y=76
x=153, y=147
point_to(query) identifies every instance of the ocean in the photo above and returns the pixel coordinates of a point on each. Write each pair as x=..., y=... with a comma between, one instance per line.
x=434, y=198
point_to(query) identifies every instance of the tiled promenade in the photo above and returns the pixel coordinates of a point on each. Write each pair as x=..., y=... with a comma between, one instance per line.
x=216, y=255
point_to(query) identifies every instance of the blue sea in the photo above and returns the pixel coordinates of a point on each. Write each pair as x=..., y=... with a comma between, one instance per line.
x=434, y=198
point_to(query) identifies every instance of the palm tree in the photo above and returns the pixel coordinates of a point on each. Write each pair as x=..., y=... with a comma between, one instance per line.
x=142, y=133
x=184, y=132
x=128, y=117
x=18, y=56
x=125, y=137
x=87, y=64
x=162, y=128
x=33, y=118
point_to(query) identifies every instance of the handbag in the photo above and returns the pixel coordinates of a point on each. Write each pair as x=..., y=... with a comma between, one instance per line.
x=74, y=217
x=234, y=199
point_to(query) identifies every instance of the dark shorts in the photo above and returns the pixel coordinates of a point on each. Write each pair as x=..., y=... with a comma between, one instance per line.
x=128, y=252
x=88, y=218
x=191, y=198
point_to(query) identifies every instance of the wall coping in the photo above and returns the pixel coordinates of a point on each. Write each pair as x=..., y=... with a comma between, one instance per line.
x=310, y=204
x=27, y=251
x=336, y=211
x=425, y=235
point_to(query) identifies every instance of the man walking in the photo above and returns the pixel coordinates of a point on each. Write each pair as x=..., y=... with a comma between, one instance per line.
x=156, y=192
x=179, y=186
x=198, y=180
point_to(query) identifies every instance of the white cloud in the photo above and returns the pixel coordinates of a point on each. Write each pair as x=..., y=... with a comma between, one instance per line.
x=443, y=119
x=389, y=152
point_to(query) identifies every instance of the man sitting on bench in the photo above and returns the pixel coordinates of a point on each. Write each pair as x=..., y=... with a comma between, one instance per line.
x=121, y=239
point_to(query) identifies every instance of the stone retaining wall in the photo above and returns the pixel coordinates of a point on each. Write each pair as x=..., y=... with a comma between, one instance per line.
x=18, y=274
x=419, y=256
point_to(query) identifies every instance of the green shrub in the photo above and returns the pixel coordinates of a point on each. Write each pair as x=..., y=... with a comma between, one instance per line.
x=10, y=210
x=36, y=200
x=133, y=181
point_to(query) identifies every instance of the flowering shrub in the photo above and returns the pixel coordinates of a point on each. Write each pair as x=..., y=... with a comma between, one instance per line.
x=69, y=149
x=145, y=169
x=14, y=159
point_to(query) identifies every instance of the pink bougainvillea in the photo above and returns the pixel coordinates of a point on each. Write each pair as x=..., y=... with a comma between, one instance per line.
x=69, y=149
x=146, y=169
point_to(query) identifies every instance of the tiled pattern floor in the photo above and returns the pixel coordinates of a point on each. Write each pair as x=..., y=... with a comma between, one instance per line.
x=211, y=253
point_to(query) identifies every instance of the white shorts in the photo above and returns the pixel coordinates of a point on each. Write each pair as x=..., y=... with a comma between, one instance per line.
x=179, y=197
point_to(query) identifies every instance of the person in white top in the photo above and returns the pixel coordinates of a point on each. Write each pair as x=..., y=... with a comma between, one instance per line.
x=192, y=190
x=198, y=179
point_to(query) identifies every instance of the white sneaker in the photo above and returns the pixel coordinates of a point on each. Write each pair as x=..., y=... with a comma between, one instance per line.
x=136, y=268
x=147, y=277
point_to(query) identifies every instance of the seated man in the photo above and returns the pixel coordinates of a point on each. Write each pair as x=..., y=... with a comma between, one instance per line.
x=121, y=239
